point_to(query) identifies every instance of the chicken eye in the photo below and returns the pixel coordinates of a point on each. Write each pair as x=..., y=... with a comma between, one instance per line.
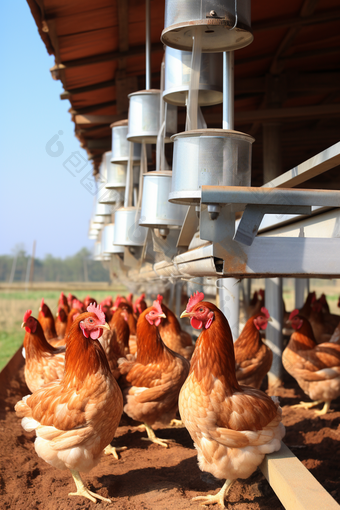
x=90, y=320
x=201, y=310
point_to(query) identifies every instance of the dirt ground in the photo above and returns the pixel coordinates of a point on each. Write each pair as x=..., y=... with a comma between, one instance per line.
x=147, y=476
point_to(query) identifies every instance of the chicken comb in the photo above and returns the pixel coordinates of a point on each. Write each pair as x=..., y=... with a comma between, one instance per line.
x=42, y=303
x=27, y=315
x=98, y=311
x=77, y=304
x=265, y=312
x=261, y=292
x=156, y=304
x=317, y=306
x=160, y=298
x=294, y=313
x=142, y=296
x=193, y=300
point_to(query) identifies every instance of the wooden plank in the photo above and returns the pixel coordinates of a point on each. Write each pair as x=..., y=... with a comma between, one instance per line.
x=88, y=88
x=97, y=119
x=293, y=484
x=300, y=112
x=278, y=22
x=113, y=55
x=92, y=108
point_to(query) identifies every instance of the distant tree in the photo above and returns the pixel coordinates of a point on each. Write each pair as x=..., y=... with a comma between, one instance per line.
x=79, y=267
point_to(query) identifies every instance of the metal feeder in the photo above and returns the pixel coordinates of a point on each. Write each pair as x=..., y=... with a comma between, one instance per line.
x=157, y=211
x=98, y=252
x=94, y=230
x=224, y=26
x=178, y=73
x=111, y=197
x=144, y=117
x=107, y=240
x=116, y=177
x=120, y=144
x=127, y=230
x=216, y=157
x=101, y=210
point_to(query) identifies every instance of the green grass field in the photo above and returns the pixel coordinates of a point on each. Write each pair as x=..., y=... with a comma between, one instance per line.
x=14, y=303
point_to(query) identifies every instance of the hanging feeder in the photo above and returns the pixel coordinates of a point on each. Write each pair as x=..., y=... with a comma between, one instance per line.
x=216, y=157
x=127, y=230
x=157, y=211
x=178, y=73
x=111, y=197
x=94, y=230
x=144, y=115
x=101, y=210
x=120, y=144
x=98, y=252
x=116, y=177
x=224, y=26
x=107, y=240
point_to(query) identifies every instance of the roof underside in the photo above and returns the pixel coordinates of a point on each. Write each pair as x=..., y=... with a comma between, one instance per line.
x=289, y=74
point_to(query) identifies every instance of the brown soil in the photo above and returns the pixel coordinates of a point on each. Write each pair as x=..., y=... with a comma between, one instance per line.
x=147, y=476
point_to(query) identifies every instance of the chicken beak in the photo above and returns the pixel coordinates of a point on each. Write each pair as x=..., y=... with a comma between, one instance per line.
x=270, y=319
x=105, y=326
x=163, y=316
x=184, y=314
x=23, y=325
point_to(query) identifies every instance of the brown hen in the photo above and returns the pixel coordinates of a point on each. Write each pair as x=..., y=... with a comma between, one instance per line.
x=232, y=426
x=76, y=417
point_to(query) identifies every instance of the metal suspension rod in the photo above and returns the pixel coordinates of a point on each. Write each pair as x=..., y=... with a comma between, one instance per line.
x=228, y=90
x=147, y=46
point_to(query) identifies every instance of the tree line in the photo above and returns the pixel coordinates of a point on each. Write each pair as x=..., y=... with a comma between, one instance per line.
x=76, y=268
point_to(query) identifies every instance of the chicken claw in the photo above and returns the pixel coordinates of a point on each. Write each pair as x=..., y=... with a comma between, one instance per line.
x=84, y=491
x=114, y=449
x=154, y=439
x=217, y=498
x=176, y=423
x=309, y=405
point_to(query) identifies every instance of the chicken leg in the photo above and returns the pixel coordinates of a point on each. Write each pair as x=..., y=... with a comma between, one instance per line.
x=154, y=439
x=114, y=449
x=84, y=491
x=217, y=498
x=309, y=405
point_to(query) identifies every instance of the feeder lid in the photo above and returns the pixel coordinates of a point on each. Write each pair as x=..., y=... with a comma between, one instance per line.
x=120, y=123
x=161, y=173
x=214, y=132
x=145, y=92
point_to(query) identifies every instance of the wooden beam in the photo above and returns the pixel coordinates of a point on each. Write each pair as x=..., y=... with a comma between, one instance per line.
x=97, y=119
x=296, y=82
x=294, y=485
x=88, y=88
x=98, y=143
x=108, y=57
x=274, y=23
x=308, y=7
x=92, y=108
x=300, y=112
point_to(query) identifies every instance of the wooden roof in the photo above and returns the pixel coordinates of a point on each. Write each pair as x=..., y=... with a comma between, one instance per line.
x=289, y=74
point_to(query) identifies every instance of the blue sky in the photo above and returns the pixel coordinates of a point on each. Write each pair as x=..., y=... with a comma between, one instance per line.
x=41, y=200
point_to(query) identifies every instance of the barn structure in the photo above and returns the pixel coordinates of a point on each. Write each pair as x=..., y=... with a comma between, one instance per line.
x=230, y=111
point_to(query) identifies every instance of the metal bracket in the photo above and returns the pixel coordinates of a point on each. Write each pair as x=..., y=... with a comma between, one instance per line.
x=259, y=201
x=217, y=229
x=251, y=219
